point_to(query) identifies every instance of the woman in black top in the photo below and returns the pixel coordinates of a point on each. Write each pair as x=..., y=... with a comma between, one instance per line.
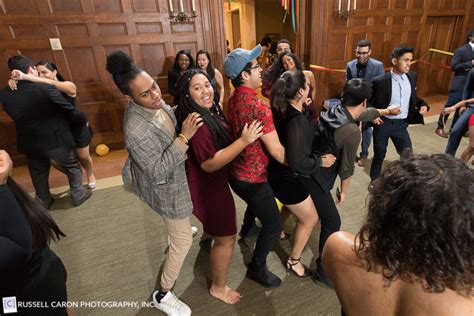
x=204, y=62
x=182, y=62
x=29, y=270
x=289, y=92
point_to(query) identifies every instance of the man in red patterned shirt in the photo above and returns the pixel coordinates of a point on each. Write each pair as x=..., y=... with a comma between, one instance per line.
x=249, y=170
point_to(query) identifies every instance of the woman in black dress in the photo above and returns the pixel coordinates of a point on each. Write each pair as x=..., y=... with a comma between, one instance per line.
x=290, y=182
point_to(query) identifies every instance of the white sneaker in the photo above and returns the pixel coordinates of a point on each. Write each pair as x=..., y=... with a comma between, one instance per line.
x=171, y=305
x=194, y=231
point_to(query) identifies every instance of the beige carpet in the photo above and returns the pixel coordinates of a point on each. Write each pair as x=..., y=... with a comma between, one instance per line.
x=114, y=250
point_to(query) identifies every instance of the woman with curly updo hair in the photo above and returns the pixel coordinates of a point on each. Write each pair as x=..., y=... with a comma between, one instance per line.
x=414, y=254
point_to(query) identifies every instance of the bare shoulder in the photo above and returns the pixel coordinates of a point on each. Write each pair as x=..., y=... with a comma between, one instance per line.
x=218, y=73
x=339, y=250
x=308, y=74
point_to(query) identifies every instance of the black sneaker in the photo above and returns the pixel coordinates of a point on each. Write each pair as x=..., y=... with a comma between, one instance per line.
x=252, y=231
x=319, y=277
x=263, y=276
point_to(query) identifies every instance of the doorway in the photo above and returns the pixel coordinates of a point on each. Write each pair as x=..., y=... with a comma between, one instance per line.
x=236, y=39
x=443, y=33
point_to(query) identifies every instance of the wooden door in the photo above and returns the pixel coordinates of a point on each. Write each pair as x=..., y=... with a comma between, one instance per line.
x=439, y=32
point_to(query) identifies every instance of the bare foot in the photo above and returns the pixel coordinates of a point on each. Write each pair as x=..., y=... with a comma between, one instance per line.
x=228, y=296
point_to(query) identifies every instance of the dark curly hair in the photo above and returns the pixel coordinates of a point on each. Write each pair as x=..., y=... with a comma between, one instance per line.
x=277, y=68
x=419, y=223
x=213, y=118
x=123, y=70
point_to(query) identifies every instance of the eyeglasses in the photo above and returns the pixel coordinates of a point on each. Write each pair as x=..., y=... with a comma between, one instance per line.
x=361, y=53
x=255, y=67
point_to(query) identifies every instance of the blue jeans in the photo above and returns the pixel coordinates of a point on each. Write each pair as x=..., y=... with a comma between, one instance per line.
x=366, y=138
x=394, y=129
x=260, y=204
x=453, y=98
x=459, y=129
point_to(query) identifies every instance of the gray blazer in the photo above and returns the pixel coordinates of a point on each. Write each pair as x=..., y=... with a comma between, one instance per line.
x=374, y=69
x=155, y=165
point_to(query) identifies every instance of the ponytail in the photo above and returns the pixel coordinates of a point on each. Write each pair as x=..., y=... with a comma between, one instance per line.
x=284, y=90
x=278, y=100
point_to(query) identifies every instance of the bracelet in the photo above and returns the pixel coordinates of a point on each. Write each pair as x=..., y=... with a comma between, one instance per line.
x=389, y=111
x=183, y=138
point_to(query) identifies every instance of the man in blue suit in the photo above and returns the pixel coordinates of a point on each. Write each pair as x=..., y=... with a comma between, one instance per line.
x=461, y=64
x=367, y=68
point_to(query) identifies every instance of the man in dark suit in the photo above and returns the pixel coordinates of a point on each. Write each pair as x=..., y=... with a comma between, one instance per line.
x=367, y=68
x=461, y=64
x=42, y=117
x=395, y=88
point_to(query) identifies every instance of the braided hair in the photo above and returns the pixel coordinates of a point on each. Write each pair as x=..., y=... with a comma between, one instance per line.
x=213, y=118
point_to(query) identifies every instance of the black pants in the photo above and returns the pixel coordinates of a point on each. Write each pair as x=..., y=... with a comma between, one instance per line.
x=260, y=204
x=39, y=165
x=397, y=131
x=327, y=212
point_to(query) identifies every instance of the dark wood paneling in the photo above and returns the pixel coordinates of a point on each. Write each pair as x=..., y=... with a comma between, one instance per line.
x=424, y=24
x=70, y=6
x=91, y=29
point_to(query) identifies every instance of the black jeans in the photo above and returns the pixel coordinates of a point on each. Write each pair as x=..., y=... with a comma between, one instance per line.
x=327, y=212
x=260, y=204
x=394, y=129
x=39, y=165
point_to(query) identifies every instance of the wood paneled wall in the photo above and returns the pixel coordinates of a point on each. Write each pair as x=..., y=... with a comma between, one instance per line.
x=330, y=41
x=90, y=29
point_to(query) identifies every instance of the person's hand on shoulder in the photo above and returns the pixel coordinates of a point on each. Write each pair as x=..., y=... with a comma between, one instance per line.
x=252, y=132
x=191, y=125
x=6, y=166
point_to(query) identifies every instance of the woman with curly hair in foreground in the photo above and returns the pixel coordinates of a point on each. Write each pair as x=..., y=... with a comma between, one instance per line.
x=414, y=253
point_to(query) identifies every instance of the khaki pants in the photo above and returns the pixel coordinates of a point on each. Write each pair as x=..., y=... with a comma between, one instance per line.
x=181, y=240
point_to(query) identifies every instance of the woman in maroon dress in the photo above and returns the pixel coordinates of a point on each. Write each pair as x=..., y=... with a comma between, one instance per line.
x=211, y=150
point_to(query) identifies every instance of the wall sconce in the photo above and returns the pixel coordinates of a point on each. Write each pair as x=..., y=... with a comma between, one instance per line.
x=182, y=17
x=345, y=14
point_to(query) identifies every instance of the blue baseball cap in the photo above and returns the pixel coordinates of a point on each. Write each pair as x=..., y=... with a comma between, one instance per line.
x=236, y=60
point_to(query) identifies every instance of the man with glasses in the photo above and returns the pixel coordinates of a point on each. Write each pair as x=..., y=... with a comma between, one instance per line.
x=248, y=172
x=367, y=68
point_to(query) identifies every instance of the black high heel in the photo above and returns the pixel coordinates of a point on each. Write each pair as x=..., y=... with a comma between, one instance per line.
x=289, y=267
